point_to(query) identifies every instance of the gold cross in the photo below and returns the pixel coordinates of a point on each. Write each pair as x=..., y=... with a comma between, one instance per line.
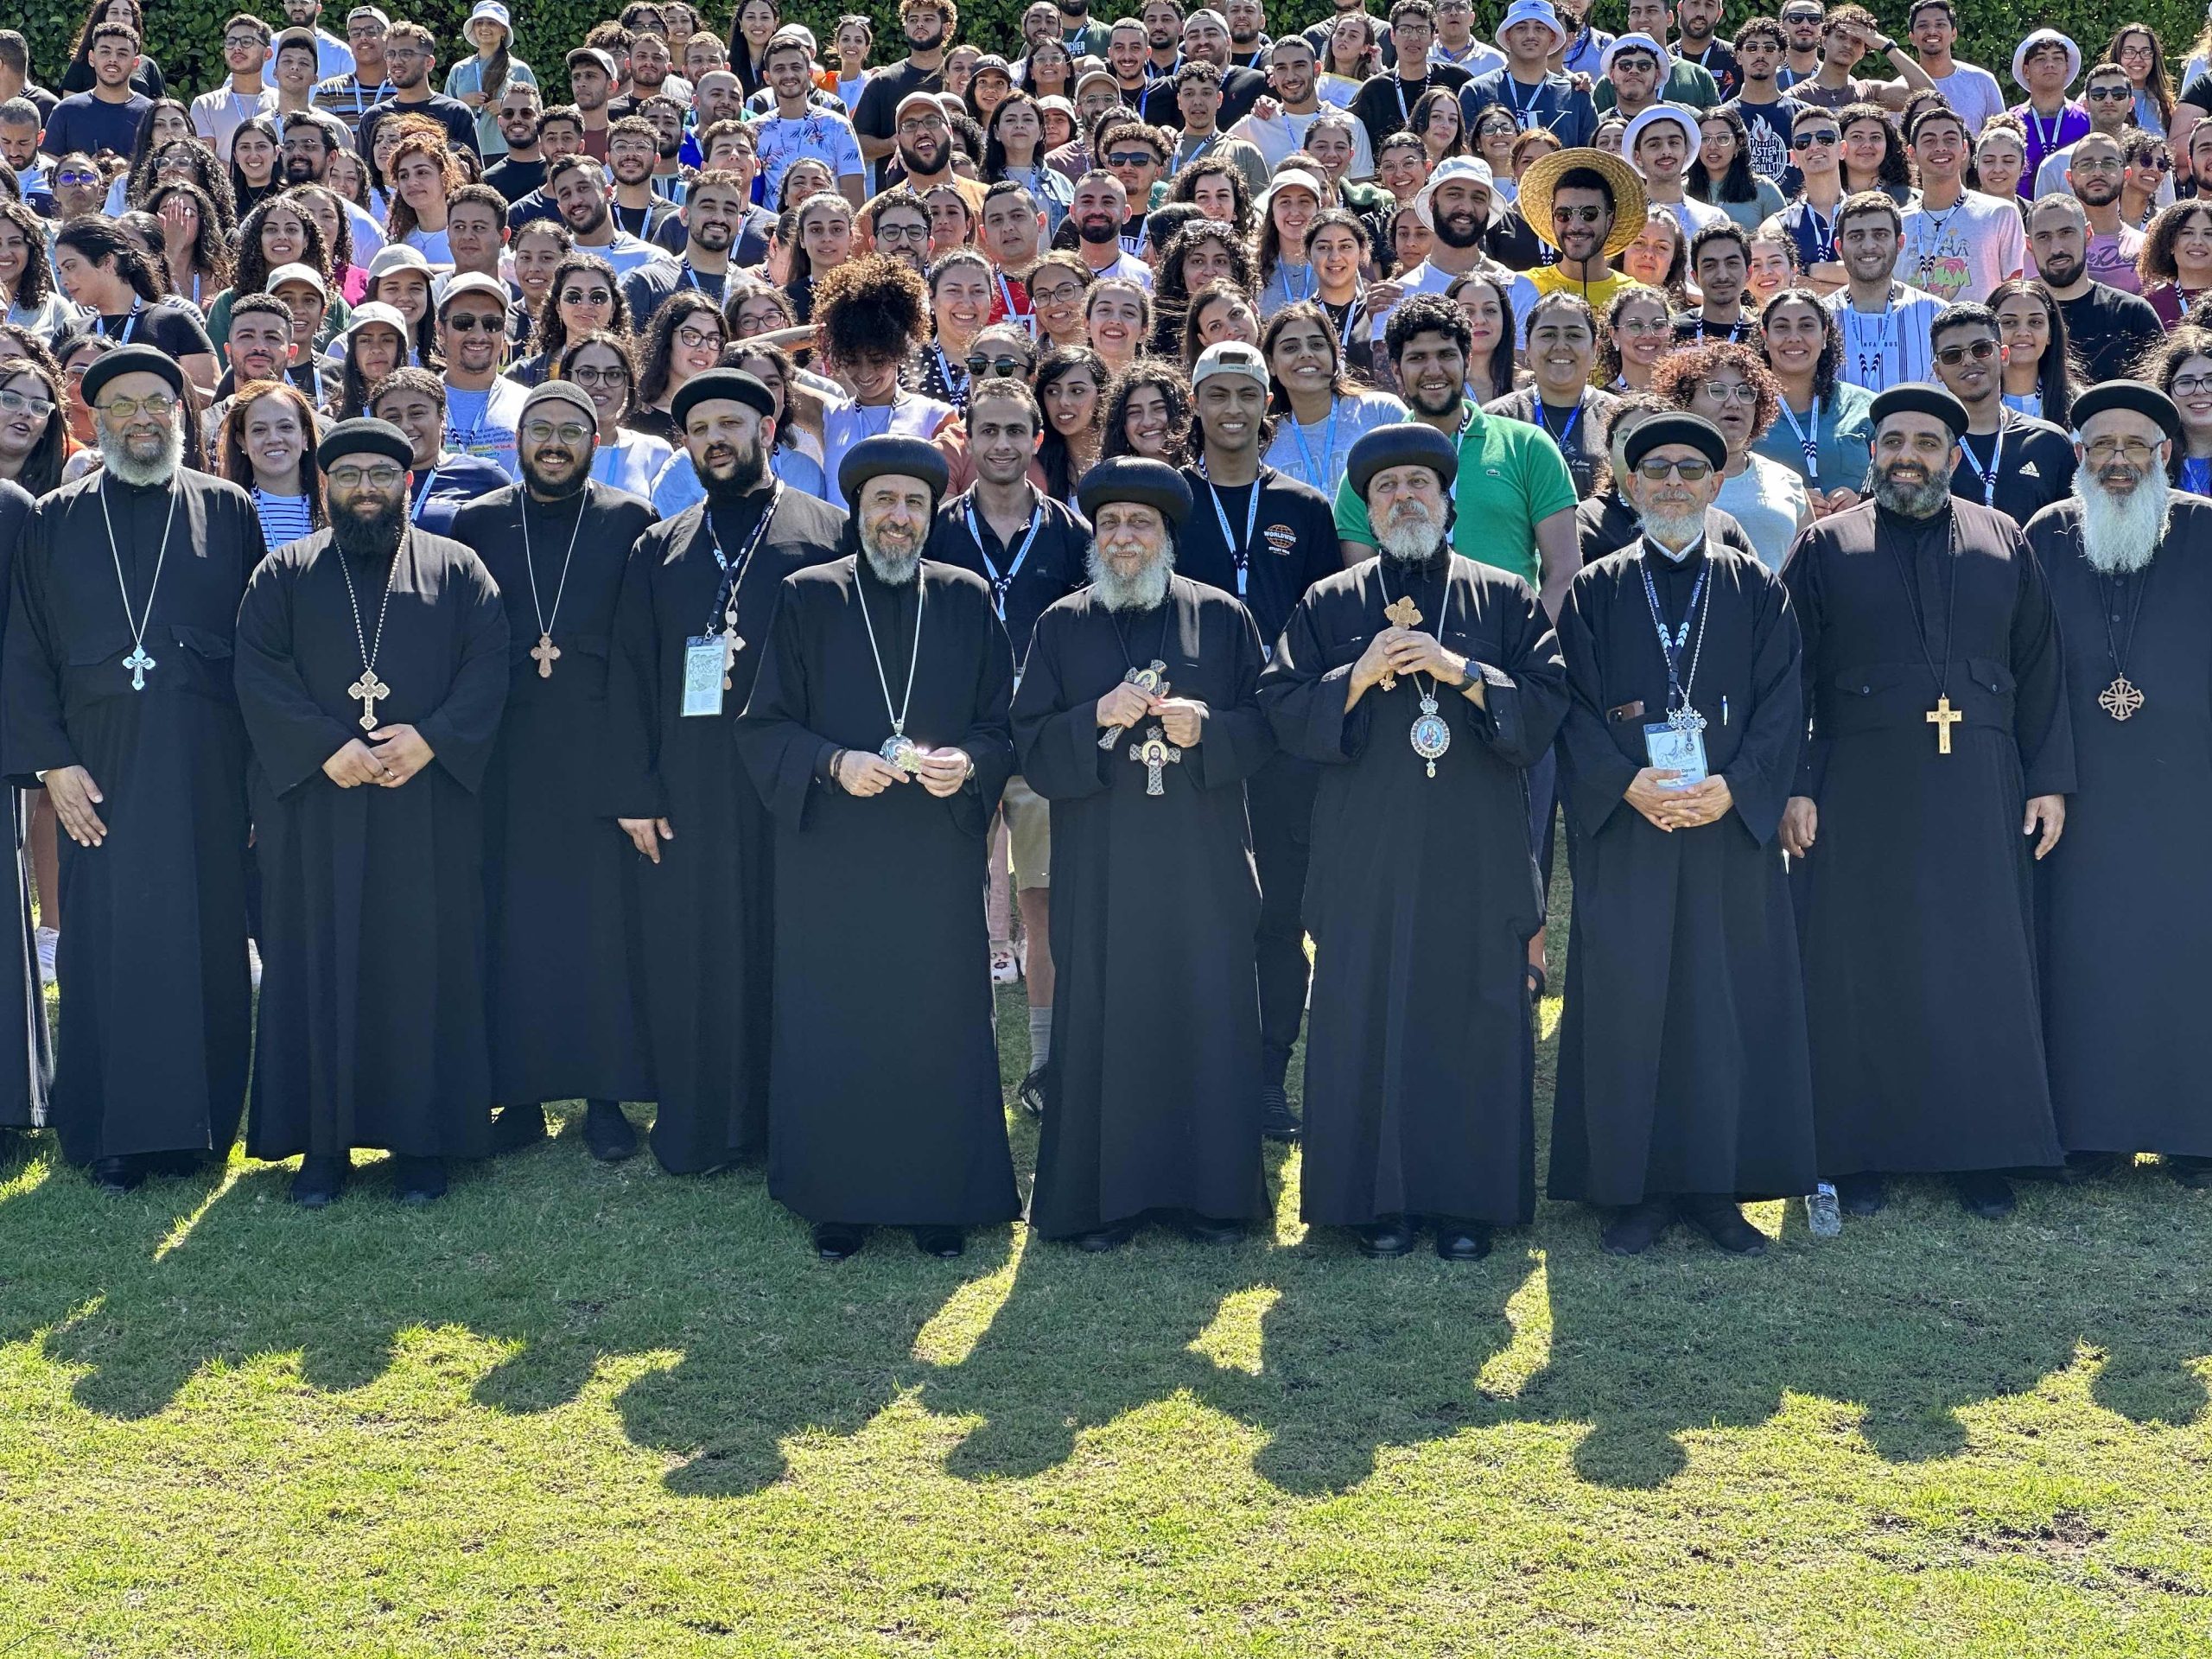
x=370, y=689
x=1943, y=717
x=1400, y=612
x=1152, y=754
x=543, y=653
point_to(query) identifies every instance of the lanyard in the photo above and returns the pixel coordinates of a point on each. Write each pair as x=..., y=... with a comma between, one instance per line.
x=2196, y=474
x=1318, y=476
x=898, y=715
x=1671, y=645
x=725, y=604
x=422, y=497
x=130, y=322
x=999, y=584
x=1351, y=311
x=1014, y=314
x=1305, y=288
x=1809, y=438
x=1241, y=554
x=1996, y=466
x=955, y=392
x=2046, y=139
x=1524, y=115
x=1823, y=234
x=1544, y=424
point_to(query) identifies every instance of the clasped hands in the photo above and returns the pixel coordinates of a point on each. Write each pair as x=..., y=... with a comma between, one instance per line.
x=861, y=774
x=1408, y=651
x=1670, y=809
x=1182, y=720
x=389, y=756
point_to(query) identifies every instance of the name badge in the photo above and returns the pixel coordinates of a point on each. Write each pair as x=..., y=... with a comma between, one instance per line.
x=1671, y=748
x=704, y=657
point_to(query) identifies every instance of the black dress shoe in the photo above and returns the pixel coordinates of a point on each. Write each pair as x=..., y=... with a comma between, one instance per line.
x=2188, y=1171
x=1461, y=1241
x=1861, y=1195
x=418, y=1181
x=1984, y=1196
x=1637, y=1228
x=944, y=1243
x=517, y=1127
x=1105, y=1239
x=2083, y=1168
x=116, y=1176
x=1277, y=1121
x=607, y=1133
x=319, y=1183
x=1392, y=1236
x=835, y=1240
x=1723, y=1223
x=1031, y=1091
x=1213, y=1229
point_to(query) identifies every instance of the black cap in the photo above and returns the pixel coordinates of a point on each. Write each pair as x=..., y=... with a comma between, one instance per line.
x=131, y=359
x=1695, y=431
x=1406, y=445
x=2133, y=394
x=733, y=384
x=1135, y=478
x=1919, y=398
x=364, y=435
x=892, y=457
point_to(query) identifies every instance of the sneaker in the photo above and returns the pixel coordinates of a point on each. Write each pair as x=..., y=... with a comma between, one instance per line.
x=1636, y=1229
x=1277, y=1121
x=1723, y=1223
x=48, y=941
x=1823, y=1214
x=517, y=1127
x=1005, y=970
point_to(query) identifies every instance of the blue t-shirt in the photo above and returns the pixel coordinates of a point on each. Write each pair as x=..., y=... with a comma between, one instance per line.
x=83, y=122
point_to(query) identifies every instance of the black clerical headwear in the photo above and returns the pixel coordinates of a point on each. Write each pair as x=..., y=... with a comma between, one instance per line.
x=733, y=384
x=2132, y=394
x=131, y=359
x=1133, y=478
x=891, y=457
x=1695, y=431
x=364, y=436
x=1919, y=398
x=1408, y=445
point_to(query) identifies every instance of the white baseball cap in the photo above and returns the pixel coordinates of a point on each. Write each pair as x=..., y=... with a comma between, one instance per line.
x=298, y=273
x=1229, y=357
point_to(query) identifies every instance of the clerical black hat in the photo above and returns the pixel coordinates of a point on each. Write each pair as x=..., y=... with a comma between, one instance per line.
x=1135, y=478
x=2134, y=396
x=364, y=436
x=1406, y=445
x=131, y=359
x=733, y=384
x=1695, y=431
x=1919, y=398
x=892, y=457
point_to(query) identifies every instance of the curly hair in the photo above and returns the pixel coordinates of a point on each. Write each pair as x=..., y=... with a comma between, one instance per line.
x=1831, y=357
x=1171, y=294
x=1896, y=169
x=656, y=364
x=400, y=222
x=1680, y=372
x=1174, y=390
x=37, y=280
x=1185, y=185
x=253, y=267
x=210, y=255
x=874, y=306
x=550, y=337
x=2156, y=262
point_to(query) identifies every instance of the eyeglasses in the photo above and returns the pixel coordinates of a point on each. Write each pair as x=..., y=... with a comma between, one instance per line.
x=467, y=322
x=569, y=432
x=1730, y=392
x=617, y=376
x=2187, y=385
x=916, y=234
x=2133, y=451
x=1806, y=140
x=1004, y=367
x=381, y=478
x=1133, y=158
x=2107, y=164
x=16, y=402
x=157, y=404
x=1981, y=350
x=1644, y=325
x=1059, y=294
x=1577, y=215
x=76, y=179
x=1690, y=472
x=923, y=124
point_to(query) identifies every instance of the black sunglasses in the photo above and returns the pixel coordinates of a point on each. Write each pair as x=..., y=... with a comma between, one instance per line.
x=1004, y=367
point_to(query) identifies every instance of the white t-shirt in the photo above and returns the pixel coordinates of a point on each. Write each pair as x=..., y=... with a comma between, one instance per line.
x=848, y=91
x=1693, y=215
x=1275, y=140
x=827, y=139
x=1973, y=92
x=1966, y=249
x=1315, y=454
x=1769, y=502
x=632, y=462
x=218, y=115
x=1886, y=348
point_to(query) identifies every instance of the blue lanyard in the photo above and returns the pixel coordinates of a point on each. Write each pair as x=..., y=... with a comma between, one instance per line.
x=1242, y=555
x=1524, y=115
x=1671, y=645
x=1316, y=476
x=1312, y=280
x=999, y=584
x=2196, y=474
x=1564, y=432
x=726, y=596
x=422, y=497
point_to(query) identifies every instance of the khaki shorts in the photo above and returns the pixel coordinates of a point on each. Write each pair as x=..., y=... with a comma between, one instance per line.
x=1029, y=831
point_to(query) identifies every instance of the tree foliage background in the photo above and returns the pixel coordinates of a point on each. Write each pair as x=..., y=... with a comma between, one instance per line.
x=185, y=36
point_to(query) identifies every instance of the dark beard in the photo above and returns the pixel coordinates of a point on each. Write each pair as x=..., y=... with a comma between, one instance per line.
x=1099, y=235
x=744, y=477
x=567, y=490
x=373, y=540
x=1449, y=235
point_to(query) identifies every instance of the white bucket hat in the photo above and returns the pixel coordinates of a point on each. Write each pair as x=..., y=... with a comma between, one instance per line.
x=2045, y=37
x=1472, y=169
x=1532, y=11
x=1684, y=118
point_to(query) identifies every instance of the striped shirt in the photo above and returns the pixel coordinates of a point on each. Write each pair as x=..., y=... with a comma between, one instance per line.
x=284, y=519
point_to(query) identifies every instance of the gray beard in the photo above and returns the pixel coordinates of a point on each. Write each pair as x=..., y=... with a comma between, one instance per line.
x=1144, y=591
x=2121, y=537
x=891, y=569
x=1674, y=530
x=143, y=474
x=1413, y=543
x=1910, y=500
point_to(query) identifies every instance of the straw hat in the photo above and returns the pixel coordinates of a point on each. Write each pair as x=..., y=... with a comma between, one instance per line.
x=1542, y=178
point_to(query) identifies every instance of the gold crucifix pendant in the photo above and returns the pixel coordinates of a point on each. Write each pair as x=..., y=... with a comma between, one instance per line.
x=1400, y=613
x=1943, y=717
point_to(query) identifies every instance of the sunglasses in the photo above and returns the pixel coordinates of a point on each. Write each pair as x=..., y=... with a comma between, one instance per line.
x=2110, y=94
x=468, y=323
x=75, y=179
x=1577, y=215
x=1133, y=158
x=1808, y=140
x=1004, y=367
x=1980, y=351
x=1690, y=472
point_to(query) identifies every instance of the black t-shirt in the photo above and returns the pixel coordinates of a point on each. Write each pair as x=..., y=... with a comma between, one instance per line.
x=2108, y=329
x=650, y=286
x=2035, y=469
x=1768, y=126
x=1053, y=568
x=2199, y=93
x=455, y=116
x=171, y=326
x=1719, y=62
x=1382, y=103
x=878, y=115
x=1293, y=544
x=146, y=79
x=661, y=217
x=1240, y=90
x=514, y=180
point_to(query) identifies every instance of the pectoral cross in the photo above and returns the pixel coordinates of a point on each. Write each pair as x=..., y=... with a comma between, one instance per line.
x=369, y=689
x=1400, y=613
x=1155, y=753
x=1150, y=680
x=544, y=653
x=1943, y=717
x=731, y=645
x=138, y=661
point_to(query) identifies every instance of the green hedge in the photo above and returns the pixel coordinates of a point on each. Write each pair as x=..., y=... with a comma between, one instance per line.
x=186, y=34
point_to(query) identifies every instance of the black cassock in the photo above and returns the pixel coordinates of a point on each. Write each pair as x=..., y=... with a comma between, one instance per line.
x=372, y=1027
x=2123, y=902
x=1681, y=1056
x=1917, y=907
x=26, y=1060
x=883, y=1098
x=565, y=997
x=152, y=967
x=1421, y=898
x=1155, y=1007
x=706, y=912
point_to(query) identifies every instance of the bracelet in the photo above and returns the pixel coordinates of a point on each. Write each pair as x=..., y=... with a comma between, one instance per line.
x=834, y=760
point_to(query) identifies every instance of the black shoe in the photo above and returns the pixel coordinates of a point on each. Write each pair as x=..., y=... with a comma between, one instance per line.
x=2191, y=1171
x=835, y=1240
x=1277, y=1121
x=1984, y=1196
x=607, y=1134
x=1106, y=1239
x=1031, y=1095
x=2083, y=1168
x=944, y=1243
x=182, y=1165
x=418, y=1181
x=1391, y=1236
x=1723, y=1223
x=319, y=1183
x=517, y=1127
x=1461, y=1241
x=116, y=1176
x=1861, y=1195
x=1213, y=1229
x=1637, y=1228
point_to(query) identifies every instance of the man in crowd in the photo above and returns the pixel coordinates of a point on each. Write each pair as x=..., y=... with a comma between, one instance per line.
x=577, y=187
x=411, y=52
x=1588, y=205
x=1197, y=102
x=1205, y=39
x=217, y=115
x=1769, y=113
x=372, y=724
x=351, y=92
x=109, y=115
x=634, y=206
x=592, y=80
x=1884, y=323
x=1958, y=244
x=1383, y=102
x=482, y=405
x=798, y=129
x=2013, y=463
x=2107, y=329
x=712, y=212
x=442, y=481
x=2095, y=167
x=1973, y=92
x=929, y=25
x=522, y=169
x=1848, y=35
x=1531, y=34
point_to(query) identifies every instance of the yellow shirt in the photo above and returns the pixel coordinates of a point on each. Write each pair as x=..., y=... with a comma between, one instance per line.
x=1554, y=279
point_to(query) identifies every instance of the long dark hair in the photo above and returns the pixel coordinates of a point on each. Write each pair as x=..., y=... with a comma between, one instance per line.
x=550, y=337
x=237, y=467
x=621, y=344
x=2055, y=376
x=1831, y=357
x=1304, y=311
x=253, y=276
x=1184, y=187
x=995, y=161
x=1052, y=453
x=1174, y=390
x=1737, y=184
x=2159, y=366
x=42, y=468
x=1499, y=372
x=1895, y=174
x=37, y=280
x=338, y=255
x=95, y=239
x=1171, y=291
x=250, y=196
x=660, y=341
x=211, y=250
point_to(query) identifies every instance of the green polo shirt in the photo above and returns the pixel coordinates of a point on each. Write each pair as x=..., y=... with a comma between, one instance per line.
x=1511, y=478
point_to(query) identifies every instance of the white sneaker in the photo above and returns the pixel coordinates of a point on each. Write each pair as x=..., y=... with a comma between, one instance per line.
x=47, y=941
x=1823, y=1215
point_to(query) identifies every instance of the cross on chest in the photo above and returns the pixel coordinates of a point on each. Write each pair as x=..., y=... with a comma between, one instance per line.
x=1943, y=717
x=1400, y=613
x=370, y=691
x=1154, y=754
x=544, y=653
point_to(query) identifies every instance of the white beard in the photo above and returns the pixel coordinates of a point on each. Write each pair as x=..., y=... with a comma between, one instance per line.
x=1415, y=542
x=2119, y=536
x=143, y=474
x=1674, y=530
x=893, y=568
x=1141, y=592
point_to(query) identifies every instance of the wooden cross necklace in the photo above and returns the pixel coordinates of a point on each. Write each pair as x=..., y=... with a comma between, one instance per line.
x=369, y=688
x=138, y=661
x=545, y=653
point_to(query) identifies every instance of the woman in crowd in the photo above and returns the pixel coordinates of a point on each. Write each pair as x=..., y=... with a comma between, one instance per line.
x=101, y=269
x=78, y=353
x=1217, y=190
x=989, y=84
x=1148, y=414
x=1818, y=426
x=1354, y=53
x=1117, y=318
x=34, y=441
x=625, y=458
x=256, y=161
x=1318, y=413
x=1286, y=213
x=1434, y=119
x=1202, y=251
x=400, y=277
x=2000, y=156
x=194, y=251
x=1495, y=136
x=1339, y=248
x=33, y=304
x=2175, y=265
x=169, y=121
x=1219, y=311
x=278, y=233
x=319, y=205
x=481, y=79
x=373, y=344
x=1048, y=71
x=536, y=253
x=806, y=176
x=1410, y=239
x=1873, y=153
x=424, y=175
x=267, y=449
x=1639, y=328
x=1722, y=174
x=1659, y=258
x=583, y=297
x=1485, y=299
x=1014, y=148
x=2181, y=366
x=754, y=309
x=1729, y=386
x=960, y=304
x=750, y=31
x=1058, y=284
x=2136, y=48
x=824, y=241
x=349, y=179
x=1770, y=267
x=1070, y=389
x=2039, y=374
x=686, y=339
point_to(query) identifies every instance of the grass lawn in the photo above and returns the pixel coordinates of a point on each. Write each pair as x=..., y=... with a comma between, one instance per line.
x=580, y=1412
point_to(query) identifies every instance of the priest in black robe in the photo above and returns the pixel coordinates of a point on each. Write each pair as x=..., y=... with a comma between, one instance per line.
x=1607, y=521
x=371, y=668
x=1155, y=1094
x=877, y=733
x=1683, y=1081
x=2125, y=903
x=701, y=840
x=117, y=697
x=1424, y=686
x=1936, y=774
x=26, y=1058
x=565, y=995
